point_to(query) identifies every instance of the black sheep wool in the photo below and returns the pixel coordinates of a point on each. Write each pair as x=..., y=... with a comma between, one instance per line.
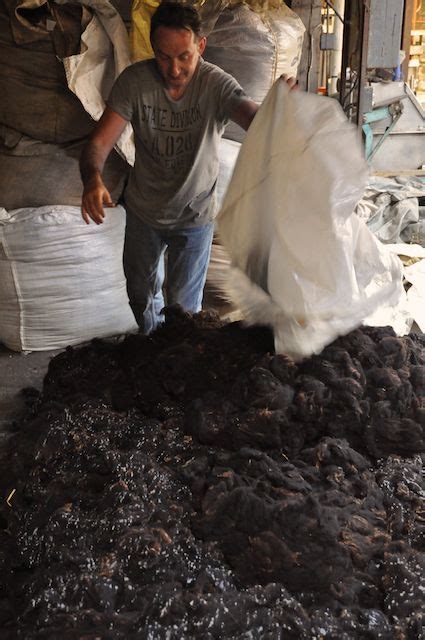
x=193, y=484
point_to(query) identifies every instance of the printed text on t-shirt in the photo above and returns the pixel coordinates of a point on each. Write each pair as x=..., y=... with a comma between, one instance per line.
x=171, y=135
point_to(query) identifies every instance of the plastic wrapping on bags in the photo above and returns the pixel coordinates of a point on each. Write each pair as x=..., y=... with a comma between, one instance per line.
x=61, y=281
x=302, y=261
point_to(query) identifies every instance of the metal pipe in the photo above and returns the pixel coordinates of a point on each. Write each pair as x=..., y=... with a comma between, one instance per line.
x=335, y=57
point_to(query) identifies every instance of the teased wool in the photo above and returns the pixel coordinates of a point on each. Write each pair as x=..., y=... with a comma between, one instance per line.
x=193, y=484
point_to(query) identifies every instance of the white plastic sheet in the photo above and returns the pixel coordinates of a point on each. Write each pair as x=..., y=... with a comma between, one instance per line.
x=302, y=261
x=390, y=208
x=61, y=281
x=105, y=53
x=414, y=277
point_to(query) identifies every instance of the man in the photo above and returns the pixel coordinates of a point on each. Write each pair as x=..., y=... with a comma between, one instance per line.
x=178, y=105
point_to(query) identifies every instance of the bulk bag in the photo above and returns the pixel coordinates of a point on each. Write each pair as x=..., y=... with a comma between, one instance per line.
x=61, y=281
x=302, y=261
x=255, y=48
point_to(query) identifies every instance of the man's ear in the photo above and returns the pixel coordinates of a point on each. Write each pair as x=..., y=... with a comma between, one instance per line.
x=201, y=45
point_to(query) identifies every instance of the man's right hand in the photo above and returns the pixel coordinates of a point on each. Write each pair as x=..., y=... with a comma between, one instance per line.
x=93, y=158
x=95, y=197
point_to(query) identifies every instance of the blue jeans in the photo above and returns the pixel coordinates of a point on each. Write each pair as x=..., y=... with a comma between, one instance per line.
x=188, y=254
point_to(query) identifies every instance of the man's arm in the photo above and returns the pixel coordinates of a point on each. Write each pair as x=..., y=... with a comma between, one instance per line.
x=93, y=158
x=244, y=113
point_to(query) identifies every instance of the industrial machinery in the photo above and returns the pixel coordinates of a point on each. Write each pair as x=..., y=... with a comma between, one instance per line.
x=373, y=95
x=393, y=123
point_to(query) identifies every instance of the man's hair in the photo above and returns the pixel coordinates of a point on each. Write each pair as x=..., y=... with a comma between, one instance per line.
x=175, y=15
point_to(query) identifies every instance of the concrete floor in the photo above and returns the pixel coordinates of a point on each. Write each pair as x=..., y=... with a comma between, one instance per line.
x=17, y=371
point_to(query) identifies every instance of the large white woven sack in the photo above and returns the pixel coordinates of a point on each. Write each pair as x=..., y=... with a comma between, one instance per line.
x=303, y=262
x=255, y=48
x=61, y=281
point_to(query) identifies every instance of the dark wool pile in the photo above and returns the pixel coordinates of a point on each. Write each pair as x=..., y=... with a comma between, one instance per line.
x=193, y=484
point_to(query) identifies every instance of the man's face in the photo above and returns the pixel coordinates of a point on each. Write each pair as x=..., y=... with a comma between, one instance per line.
x=177, y=53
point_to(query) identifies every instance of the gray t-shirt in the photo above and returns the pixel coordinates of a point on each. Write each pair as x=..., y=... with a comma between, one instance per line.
x=172, y=184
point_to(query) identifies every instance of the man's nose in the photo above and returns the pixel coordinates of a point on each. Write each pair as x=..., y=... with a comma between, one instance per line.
x=174, y=68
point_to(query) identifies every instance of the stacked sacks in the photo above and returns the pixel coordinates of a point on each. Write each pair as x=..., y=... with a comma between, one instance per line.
x=256, y=42
x=43, y=127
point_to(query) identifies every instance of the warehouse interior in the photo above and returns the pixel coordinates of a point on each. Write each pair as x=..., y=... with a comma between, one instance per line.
x=233, y=410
